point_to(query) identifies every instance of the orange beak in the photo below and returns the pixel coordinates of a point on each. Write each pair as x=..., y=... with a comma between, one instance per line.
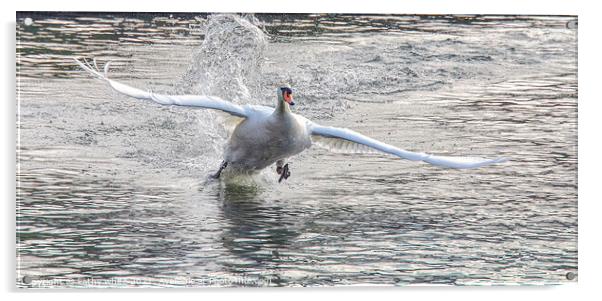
x=288, y=97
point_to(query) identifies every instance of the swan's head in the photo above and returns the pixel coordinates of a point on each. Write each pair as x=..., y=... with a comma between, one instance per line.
x=285, y=94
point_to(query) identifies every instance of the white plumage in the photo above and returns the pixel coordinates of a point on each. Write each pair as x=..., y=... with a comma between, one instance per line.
x=271, y=135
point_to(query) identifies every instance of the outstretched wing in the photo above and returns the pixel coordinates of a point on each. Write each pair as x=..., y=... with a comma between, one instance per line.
x=201, y=101
x=339, y=139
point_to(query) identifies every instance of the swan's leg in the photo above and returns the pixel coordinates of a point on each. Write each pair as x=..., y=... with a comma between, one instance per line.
x=221, y=168
x=285, y=173
x=279, y=164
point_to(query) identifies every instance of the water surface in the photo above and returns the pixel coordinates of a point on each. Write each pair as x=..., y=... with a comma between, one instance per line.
x=113, y=192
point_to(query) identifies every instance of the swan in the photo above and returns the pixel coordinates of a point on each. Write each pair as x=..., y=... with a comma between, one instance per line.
x=267, y=135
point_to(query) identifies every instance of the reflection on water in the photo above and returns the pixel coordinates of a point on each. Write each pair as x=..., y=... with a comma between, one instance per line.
x=116, y=190
x=255, y=233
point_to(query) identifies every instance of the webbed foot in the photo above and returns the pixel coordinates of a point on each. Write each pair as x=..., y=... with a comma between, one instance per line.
x=284, y=172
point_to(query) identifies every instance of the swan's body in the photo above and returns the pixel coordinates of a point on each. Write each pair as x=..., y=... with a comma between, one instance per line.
x=265, y=137
x=271, y=135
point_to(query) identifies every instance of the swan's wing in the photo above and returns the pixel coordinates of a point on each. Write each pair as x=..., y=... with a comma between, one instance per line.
x=201, y=101
x=345, y=140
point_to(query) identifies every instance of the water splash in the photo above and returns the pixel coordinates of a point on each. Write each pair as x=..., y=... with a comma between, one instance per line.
x=228, y=63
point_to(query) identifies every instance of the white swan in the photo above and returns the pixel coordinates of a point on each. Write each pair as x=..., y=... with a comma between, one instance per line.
x=266, y=135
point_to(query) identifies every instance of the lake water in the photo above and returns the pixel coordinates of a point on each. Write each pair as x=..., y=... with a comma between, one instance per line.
x=114, y=192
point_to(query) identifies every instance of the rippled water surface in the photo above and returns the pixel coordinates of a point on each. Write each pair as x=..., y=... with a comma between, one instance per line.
x=115, y=192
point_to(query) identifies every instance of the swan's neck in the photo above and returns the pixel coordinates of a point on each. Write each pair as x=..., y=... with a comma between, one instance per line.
x=282, y=108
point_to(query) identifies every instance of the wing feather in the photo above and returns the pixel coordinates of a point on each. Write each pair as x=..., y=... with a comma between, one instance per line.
x=200, y=101
x=340, y=139
x=337, y=145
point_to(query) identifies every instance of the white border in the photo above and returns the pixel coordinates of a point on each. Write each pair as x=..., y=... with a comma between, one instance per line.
x=589, y=150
